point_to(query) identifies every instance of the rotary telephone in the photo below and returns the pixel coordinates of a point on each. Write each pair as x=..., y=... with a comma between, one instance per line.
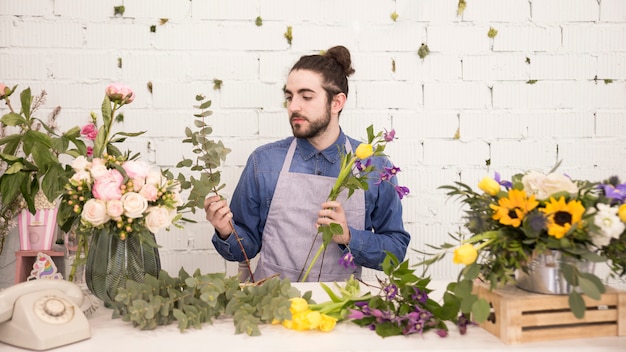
x=42, y=314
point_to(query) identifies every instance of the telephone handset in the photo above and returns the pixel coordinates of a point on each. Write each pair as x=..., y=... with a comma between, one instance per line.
x=42, y=314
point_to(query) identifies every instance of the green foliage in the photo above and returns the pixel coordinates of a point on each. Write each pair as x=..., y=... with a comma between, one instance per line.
x=258, y=21
x=209, y=157
x=119, y=10
x=289, y=35
x=423, y=51
x=402, y=305
x=461, y=7
x=217, y=84
x=31, y=155
x=394, y=16
x=153, y=28
x=193, y=300
x=492, y=32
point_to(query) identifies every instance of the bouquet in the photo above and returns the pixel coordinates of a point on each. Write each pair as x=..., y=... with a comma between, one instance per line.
x=353, y=175
x=511, y=222
x=114, y=191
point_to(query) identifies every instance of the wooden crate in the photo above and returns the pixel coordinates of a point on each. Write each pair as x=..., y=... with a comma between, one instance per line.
x=519, y=316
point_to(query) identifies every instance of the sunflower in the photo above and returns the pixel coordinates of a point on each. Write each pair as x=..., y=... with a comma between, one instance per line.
x=562, y=216
x=511, y=210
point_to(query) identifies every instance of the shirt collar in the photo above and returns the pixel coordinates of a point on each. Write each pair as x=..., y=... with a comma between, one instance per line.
x=331, y=154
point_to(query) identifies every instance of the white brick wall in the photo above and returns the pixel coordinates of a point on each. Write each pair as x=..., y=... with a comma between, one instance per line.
x=469, y=83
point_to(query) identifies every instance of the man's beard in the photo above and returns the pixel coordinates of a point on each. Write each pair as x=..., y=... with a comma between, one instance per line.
x=316, y=128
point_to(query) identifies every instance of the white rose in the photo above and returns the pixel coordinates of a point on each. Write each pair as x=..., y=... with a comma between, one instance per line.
x=115, y=208
x=543, y=186
x=609, y=224
x=134, y=204
x=158, y=218
x=80, y=163
x=81, y=175
x=95, y=212
x=98, y=169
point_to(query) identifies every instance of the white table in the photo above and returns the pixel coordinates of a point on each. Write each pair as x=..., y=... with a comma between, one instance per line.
x=114, y=335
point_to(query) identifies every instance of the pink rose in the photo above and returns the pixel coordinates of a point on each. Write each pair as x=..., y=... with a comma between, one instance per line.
x=115, y=208
x=98, y=168
x=134, y=204
x=107, y=187
x=89, y=131
x=150, y=192
x=95, y=212
x=158, y=218
x=2, y=90
x=120, y=93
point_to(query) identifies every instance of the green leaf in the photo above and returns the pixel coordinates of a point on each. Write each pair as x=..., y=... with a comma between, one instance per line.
x=480, y=310
x=577, y=304
x=13, y=119
x=26, y=100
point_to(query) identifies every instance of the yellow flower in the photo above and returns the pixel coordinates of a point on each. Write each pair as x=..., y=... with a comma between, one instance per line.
x=466, y=254
x=327, y=323
x=298, y=305
x=622, y=212
x=511, y=210
x=562, y=216
x=364, y=151
x=489, y=185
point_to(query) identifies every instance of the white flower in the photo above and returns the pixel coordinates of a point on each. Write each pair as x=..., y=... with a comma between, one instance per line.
x=80, y=164
x=115, y=208
x=158, y=218
x=134, y=205
x=543, y=186
x=98, y=169
x=155, y=177
x=609, y=224
x=95, y=212
x=81, y=175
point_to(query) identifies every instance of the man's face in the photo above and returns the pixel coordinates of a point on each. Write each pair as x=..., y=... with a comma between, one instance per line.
x=309, y=111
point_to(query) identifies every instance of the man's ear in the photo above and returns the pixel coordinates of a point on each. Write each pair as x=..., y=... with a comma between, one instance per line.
x=339, y=100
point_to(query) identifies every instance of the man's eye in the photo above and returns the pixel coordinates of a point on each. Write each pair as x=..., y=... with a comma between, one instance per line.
x=288, y=98
x=306, y=97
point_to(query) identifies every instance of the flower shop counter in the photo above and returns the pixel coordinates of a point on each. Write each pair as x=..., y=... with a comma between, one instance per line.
x=109, y=334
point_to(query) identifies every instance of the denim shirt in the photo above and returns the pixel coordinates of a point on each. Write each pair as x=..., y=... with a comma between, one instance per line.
x=384, y=228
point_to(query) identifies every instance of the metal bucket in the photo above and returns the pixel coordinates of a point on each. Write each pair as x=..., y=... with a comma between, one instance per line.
x=545, y=275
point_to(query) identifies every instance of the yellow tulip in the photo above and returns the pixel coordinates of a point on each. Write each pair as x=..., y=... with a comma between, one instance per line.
x=465, y=254
x=327, y=323
x=298, y=305
x=489, y=186
x=622, y=212
x=364, y=151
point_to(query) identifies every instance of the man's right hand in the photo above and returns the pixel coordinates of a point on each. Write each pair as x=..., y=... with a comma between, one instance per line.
x=219, y=215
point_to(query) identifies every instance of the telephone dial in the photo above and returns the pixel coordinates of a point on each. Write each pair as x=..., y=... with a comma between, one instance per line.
x=42, y=314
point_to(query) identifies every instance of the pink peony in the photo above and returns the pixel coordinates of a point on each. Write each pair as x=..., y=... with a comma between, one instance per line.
x=108, y=186
x=120, y=93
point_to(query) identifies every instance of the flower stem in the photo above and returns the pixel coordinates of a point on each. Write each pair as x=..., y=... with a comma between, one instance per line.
x=317, y=254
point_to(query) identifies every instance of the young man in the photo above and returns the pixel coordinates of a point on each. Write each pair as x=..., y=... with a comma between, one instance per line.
x=281, y=197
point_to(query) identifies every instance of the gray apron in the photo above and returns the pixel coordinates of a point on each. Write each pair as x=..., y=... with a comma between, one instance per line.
x=290, y=228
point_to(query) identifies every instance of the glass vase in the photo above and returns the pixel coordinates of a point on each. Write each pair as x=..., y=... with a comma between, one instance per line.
x=112, y=261
x=545, y=273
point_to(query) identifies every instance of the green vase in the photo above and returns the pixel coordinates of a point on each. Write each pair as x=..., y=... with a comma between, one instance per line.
x=112, y=261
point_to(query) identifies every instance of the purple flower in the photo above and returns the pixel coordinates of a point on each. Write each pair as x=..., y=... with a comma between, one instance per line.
x=347, y=261
x=615, y=192
x=419, y=295
x=442, y=332
x=392, y=170
x=355, y=314
x=506, y=184
x=360, y=166
x=384, y=176
x=462, y=323
x=402, y=191
x=391, y=291
x=389, y=136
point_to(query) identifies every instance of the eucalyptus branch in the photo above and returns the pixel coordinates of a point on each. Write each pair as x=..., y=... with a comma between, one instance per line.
x=210, y=155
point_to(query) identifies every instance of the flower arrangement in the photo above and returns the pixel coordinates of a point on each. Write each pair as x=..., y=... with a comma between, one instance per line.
x=29, y=156
x=114, y=191
x=354, y=173
x=511, y=222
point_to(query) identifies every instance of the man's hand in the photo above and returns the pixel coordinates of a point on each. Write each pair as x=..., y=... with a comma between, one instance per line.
x=332, y=212
x=219, y=215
